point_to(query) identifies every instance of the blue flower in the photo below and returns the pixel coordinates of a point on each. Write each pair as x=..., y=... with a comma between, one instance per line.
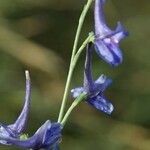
x=16, y=129
x=94, y=89
x=47, y=136
x=107, y=41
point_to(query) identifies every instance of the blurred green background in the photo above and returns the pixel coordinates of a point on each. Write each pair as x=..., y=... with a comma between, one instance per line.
x=38, y=35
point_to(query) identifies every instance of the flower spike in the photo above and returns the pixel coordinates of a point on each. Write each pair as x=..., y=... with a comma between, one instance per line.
x=94, y=89
x=107, y=41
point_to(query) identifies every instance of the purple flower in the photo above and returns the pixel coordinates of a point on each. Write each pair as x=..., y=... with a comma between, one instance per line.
x=16, y=129
x=47, y=136
x=94, y=89
x=107, y=41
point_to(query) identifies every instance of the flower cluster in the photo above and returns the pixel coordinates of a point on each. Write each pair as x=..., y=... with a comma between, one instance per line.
x=106, y=44
x=107, y=47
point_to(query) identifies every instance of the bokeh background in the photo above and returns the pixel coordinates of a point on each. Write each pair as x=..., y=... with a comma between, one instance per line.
x=38, y=35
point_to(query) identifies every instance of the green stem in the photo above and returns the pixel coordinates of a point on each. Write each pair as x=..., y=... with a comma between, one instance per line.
x=81, y=21
x=89, y=39
x=72, y=66
x=80, y=24
x=74, y=104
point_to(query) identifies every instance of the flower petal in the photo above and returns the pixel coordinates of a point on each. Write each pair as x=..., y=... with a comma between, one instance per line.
x=109, y=51
x=101, y=28
x=107, y=40
x=102, y=83
x=53, y=135
x=88, y=79
x=19, y=126
x=6, y=132
x=119, y=34
x=46, y=136
x=101, y=104
x=77, y=91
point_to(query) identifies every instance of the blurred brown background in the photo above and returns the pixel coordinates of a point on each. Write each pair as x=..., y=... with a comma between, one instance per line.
x=38, y=35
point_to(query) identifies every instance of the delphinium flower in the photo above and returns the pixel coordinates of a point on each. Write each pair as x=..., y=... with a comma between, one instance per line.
x=107, y=40
x=16, y=129
x=94, y=89
x=47, y=136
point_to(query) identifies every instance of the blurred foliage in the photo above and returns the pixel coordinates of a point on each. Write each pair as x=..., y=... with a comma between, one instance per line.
x=38, y=35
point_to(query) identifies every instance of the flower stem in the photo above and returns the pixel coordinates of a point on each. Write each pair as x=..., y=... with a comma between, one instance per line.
x=74, y=104
x=71, y=69
x=80, y=24
x=89, y=39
